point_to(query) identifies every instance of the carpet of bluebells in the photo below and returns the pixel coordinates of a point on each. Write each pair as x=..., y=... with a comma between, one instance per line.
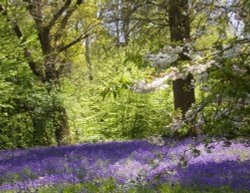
x=187, y=162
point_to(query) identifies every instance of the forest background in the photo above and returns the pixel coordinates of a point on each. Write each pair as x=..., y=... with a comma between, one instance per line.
x=77, y=71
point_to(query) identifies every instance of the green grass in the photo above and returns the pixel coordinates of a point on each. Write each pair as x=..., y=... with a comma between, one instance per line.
x=110, y=187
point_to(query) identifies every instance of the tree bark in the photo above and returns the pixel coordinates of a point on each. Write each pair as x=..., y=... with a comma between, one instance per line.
x=117, y=23
x=179, y=23
x=87, y=57
x=183, y=94
x=50, y=76
x=50, y=31
x=60, y=122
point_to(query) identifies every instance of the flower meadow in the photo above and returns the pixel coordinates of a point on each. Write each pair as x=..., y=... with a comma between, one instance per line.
x=125, y=165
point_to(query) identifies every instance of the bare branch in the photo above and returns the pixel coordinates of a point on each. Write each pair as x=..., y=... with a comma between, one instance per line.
x=64, y=22
x=68, y=15
x=59, y=13
x=80, y=37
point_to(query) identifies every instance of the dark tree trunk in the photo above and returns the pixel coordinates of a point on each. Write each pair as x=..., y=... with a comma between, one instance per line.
x=52, y=43
x=183, y=94
x=179, y=23
x=49, y=75
x=60, y=121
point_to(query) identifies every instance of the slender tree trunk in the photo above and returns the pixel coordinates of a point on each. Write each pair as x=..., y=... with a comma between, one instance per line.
x=87, y=57
x=117, y=23
x=179, y=22
x=245, y=15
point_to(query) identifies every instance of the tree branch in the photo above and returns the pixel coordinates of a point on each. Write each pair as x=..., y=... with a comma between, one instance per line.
x=27, y=55
x=80, y=37
x=63, y=24
x=58, y=14
x=35, y=11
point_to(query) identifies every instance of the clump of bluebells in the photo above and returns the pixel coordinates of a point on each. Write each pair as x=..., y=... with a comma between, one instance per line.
x=124, y=166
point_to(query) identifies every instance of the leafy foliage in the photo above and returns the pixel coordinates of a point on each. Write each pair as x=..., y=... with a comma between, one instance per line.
x=24, y=102
x=126, y=39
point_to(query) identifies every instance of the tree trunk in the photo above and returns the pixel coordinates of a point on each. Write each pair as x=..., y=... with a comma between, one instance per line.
x=49, y=30
x=183, y=94
x=60, y=122
x=117, y=23
x=179, y=23
x=87, y=57
x=51, y=75
x=58, y=112
x=50, y=79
